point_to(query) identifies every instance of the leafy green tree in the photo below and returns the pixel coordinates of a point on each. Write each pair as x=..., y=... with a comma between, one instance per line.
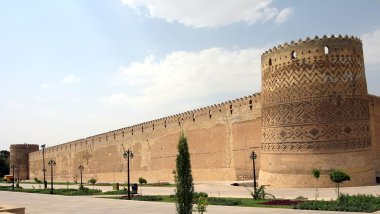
x=141, y=182
x=184, y=189
x=93, y=181
x=202, y=205
x=316, y=174
x=339, y=177
x=4, y=163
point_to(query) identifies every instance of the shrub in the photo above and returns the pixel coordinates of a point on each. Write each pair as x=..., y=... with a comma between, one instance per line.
x=338, y=177
x=200, y=194
x=223, y=201
x=202, y=204
x=38, y=181
x=260, y=193
x=148, y=198
x=281, y=202
x=347, y=203
x=92, y=181
x=142, y=181
x=115, y=192
x=316, y=174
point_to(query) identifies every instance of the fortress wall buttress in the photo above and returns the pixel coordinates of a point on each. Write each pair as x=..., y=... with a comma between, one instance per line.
x=220, y=141
x=315, y=113
x=374, y=109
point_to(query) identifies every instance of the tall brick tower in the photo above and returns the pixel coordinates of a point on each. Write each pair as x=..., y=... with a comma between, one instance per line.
x=19, y=157
x=315, y=113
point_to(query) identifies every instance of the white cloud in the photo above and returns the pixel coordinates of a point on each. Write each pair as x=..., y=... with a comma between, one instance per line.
x=45, y=86
x=70, y=79
x=283, y=15
x=210, y=13
x=189, y=75
x=371, y=44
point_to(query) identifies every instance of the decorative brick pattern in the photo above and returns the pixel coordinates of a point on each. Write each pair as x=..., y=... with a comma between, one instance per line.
x=307, y=101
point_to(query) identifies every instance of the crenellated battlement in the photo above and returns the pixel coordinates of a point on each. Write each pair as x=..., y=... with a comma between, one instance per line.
x=313, y=49
x=374, y=99
x=24, y=146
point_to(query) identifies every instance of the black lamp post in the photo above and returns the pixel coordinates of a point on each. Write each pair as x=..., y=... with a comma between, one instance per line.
x=253, y=158
x=13, y=167
x=43, y=165
x=18, y=178
x=51, y=164
x=81, y=168
x=128, y=154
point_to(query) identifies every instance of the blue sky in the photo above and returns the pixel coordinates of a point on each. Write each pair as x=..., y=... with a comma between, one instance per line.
x=74, y=68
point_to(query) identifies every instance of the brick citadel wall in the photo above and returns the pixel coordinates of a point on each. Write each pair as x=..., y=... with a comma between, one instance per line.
x=314, y=112
x=221, y=138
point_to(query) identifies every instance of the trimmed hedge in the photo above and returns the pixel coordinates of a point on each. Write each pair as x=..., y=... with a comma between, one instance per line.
x=347, y=203
x=70, y=191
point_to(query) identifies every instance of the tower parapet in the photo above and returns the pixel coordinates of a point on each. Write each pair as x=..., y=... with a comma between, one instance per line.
x=315, y=112
x=19, y=157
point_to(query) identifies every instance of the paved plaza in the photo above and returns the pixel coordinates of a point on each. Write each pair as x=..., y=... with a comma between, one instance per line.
x=40, y=203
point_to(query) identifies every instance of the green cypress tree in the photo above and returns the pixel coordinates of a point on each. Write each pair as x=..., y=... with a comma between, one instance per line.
x=183, y=178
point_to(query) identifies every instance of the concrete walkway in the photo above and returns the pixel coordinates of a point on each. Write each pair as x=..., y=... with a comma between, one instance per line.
x=48, y=204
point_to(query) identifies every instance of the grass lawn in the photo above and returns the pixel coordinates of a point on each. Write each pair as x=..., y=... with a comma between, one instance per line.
x=243, y=202
x=67, y=191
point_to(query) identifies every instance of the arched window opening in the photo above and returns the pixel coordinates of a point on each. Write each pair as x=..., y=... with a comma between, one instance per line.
x=209, y=114
x=293, y=55
x=326, y=49
x=193, y=117
x=270, y=61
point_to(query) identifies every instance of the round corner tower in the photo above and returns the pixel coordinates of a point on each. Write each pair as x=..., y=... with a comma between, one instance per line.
x=19, y=157
x=315, y=113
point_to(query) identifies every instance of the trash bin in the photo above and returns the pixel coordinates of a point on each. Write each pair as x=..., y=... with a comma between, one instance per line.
x=134, y=188
x=115, y=186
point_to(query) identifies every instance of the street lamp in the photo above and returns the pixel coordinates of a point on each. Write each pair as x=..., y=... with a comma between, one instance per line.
x=51, y=164
x=13, y=167
x=128, y=154
x=43, y=165
x=18, y=178
x=253, y=158
x=81, y=168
